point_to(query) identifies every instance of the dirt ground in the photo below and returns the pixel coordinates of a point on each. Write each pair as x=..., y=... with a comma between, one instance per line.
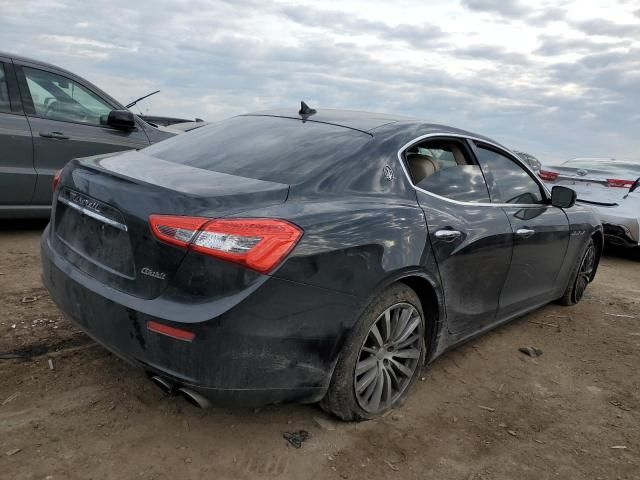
x=483, y=411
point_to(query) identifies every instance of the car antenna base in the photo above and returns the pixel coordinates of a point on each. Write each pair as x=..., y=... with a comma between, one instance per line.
x=306, y=110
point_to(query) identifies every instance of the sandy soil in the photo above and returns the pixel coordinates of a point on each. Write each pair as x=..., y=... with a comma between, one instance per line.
x=483, y=411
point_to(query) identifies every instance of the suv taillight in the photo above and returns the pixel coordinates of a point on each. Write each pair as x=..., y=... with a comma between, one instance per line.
x=257, y=243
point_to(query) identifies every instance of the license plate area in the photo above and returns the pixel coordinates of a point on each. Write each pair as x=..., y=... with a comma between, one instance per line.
x=95, y=231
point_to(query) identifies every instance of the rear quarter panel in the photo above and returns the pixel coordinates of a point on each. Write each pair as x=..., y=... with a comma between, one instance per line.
x=361, y=220
x=352, y=245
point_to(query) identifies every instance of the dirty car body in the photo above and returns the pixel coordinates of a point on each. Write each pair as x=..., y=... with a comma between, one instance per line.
x=121, y=259
x=610, y=187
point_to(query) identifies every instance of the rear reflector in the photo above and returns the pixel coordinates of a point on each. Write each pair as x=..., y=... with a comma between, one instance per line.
x=172, y=332
x=614, y=182
x=547, y=175
x=257, y=243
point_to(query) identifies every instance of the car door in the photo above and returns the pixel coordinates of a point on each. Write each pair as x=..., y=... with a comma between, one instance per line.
x=17, y=174
x=471, y=239
x=67, y=118
x=540, y=231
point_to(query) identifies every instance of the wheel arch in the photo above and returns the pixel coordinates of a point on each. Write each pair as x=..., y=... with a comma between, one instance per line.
x=427, y=288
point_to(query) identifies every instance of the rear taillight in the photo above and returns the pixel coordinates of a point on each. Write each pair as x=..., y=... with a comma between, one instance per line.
x=614, y=182
x=547, y=175
x=56, y=180
x=257, y=243
x=176, y=230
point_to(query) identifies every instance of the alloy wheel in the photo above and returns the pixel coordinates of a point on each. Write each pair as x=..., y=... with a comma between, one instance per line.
x=388, y=357
x=585, y=272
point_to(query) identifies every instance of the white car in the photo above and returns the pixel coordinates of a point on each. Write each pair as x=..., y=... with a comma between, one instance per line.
x=611, y=187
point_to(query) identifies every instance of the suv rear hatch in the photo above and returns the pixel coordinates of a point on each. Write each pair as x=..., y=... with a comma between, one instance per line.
x=100, y=221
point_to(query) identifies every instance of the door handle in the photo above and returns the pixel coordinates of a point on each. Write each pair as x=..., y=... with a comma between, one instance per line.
x=525, y=232
x=448, y=235
x=56, y=135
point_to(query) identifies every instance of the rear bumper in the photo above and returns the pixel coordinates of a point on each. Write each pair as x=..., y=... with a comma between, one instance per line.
x=278, y=343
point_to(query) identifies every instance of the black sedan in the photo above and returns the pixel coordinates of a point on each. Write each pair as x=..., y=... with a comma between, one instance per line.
x=310, y=256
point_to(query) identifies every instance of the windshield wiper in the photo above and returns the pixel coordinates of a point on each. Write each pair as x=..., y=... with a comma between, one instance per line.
x=141, y=98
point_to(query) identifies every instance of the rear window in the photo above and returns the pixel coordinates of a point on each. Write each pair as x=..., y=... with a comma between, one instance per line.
x=265, y=148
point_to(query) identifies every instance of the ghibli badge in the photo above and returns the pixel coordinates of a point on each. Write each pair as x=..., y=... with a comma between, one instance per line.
x=152, y=273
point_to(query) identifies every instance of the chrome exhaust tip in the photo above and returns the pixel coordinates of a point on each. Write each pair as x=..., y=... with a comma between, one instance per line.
x=166, y=386
x=194, y=398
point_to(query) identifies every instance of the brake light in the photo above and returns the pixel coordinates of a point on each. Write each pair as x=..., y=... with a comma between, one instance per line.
x=172, y=332
x=257, y=243
x=614, y=182
x=56, y=180
x=547, y=175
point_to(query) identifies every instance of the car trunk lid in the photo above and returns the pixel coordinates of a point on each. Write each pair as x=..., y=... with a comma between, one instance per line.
x=101, y=216
x=591, y=185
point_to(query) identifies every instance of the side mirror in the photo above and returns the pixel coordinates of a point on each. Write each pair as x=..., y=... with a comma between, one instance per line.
x=563, y=197
x=121, y=119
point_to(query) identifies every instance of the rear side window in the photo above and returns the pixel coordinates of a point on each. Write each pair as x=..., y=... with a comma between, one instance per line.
x=5, y=106
x=444, y=167
x=275, y=149
x=511, y=183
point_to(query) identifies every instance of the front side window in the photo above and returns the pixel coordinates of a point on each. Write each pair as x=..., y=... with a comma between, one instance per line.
x=5, y=106
x=57, y=98
x=510, y=183
x=444, y=168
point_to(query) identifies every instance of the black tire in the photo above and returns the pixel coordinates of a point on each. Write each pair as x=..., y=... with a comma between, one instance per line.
x=581, y=275
x=361, y=349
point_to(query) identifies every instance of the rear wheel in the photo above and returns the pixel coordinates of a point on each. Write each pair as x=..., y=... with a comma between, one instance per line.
x=382, y=358
x=582, y=275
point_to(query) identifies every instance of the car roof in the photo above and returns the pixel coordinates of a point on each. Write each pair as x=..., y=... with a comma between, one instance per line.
x=367, y=122
x=56, y=68
x=21, y=58
x=363, y=121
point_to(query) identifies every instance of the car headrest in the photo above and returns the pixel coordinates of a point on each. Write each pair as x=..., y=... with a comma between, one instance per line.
x=421, y=166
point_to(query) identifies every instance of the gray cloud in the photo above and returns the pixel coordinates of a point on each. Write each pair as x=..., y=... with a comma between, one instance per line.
x=426, y=35
x=213, y=60
x=492, y=53
x=551, y=14
x=607, y=28
x=553, y=45
x=517, y=10
x=504, y=8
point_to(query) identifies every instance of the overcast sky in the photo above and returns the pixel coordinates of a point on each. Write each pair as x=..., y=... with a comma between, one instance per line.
x=558, y=79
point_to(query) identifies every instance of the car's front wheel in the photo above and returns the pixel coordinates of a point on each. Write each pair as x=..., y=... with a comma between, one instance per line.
x=581, y=275
x=381, y=359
